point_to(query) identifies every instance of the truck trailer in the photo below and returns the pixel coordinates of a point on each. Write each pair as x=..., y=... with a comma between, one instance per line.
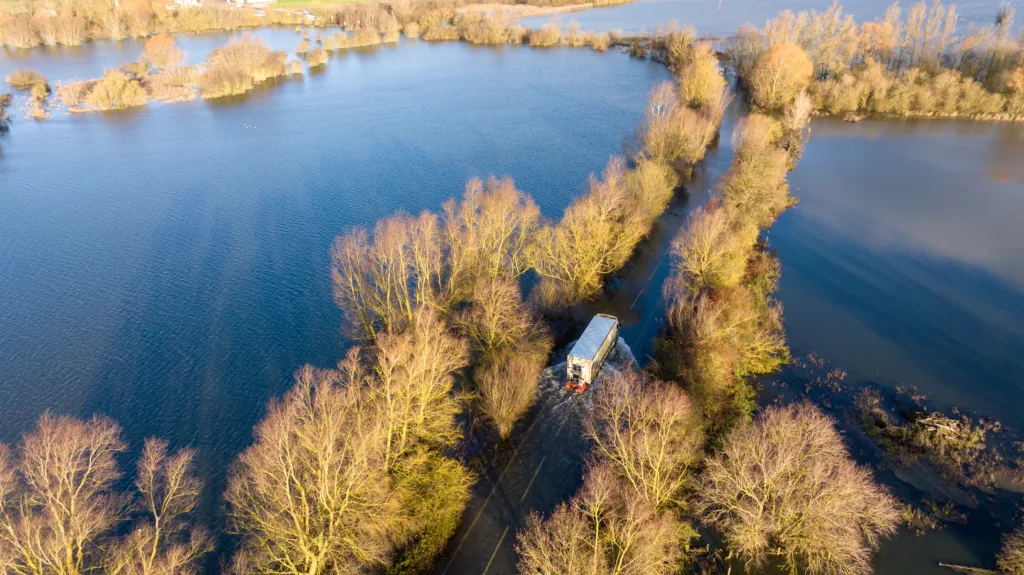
x=588, y=355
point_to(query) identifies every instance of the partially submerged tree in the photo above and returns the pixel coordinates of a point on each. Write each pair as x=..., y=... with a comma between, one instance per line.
x=599, y=231
x=784, y=486
x=1011, y=558
x=349, y=468
x=163, y=541
x=603, y=530
x=649, y=434
x=431, y=261
x=59, y=510
x=160, y=52
x=311, y=495
x=779, y=74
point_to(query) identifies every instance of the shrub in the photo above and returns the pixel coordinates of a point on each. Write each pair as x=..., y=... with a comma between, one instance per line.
x=600, y=42
x=411, y=30
x=548, y=35
x=440, y=33
x=303, y=47
x=295, y=67
x=486, y=30
x=221, y=82
x=574, y=35
x=779, y=75
x=16, y=30
x=364, y=37
x=116, y=91
x=174, y=83
x=236, y=68
x=1011, y=558
x=161, y=52
x=701, y=81
x=785, y=485
x=316, y=57
x=71, y=93
x=66, y=29
x=26, y=79
x=507, y=387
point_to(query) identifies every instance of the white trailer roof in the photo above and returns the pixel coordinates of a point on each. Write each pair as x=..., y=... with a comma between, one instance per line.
x=592, y=338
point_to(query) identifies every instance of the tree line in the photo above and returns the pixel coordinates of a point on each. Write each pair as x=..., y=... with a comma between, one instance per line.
x=29, y=23
x=913, y=65
x=666, y=456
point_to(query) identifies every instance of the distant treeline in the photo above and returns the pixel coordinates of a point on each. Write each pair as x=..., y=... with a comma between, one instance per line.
x=29, y=23
x=239, y=66
x=917, y=65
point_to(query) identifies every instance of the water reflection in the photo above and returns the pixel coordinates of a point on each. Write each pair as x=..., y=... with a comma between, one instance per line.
x=904, y=261
x=170, y=268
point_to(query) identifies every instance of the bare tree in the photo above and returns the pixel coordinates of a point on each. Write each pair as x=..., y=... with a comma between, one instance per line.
x=162, y=542
x=779, y=75
x=672, y=131
x=161, y=52
x=312, y=494
x=648, y=433
x=508, y=386
x=411, y=387
x=430, y=262
x=701, y=82
x=755, y=186
x=59, y=510
x=603, y=530
x=599, y=231
x=1011, y=558
x=785, y=486
x=492, y=226
x=707, y=253
x=58, y=502
x=497, y=318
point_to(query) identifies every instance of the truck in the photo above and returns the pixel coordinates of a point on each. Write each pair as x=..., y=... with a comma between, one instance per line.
x=588, y=354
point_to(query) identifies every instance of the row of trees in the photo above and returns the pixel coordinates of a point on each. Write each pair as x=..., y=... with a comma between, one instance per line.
x=464, y=263
x=29, y=23
x=159, y=74
x=464, y=266
x=61, y=512
x=349, y=472
x=919, y=65
x=782, y=487
x=723, y=325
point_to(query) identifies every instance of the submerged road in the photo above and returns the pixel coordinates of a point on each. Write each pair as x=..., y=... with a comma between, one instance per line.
x=541, y=465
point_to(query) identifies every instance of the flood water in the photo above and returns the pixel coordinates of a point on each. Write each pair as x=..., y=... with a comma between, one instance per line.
x=903, y=264
x=169, y=267
x=722, y=17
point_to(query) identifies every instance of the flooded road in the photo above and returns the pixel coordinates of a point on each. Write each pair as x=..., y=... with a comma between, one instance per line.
x=541, y=464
